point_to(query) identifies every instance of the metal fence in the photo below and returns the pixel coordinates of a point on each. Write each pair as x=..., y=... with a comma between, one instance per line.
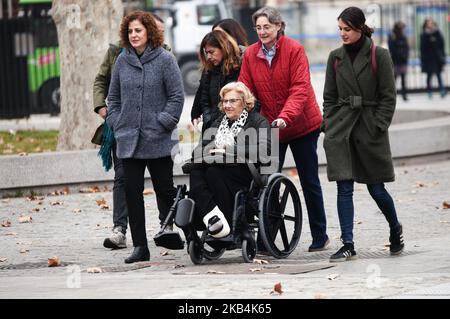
x=314, y=24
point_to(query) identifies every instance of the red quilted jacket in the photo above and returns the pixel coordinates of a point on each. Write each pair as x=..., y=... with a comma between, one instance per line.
x=284, y=88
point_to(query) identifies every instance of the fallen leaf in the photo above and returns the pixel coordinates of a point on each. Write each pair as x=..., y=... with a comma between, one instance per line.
x=319, y=295
x=178, y=266
x=148, y=191
x=260, y=261
x=77, y=210
x=24, y=250
x=332, y=276
x=40, y=202
x=212, y=271
x=22, y=154
x=94, y=189
x=165, y=253
x=445, y=205
x=387, y=244
x=27, y=243
x=10, y=234
x=102, y=203
x=25, y=219
x=443, y=221
x=94, y=270
x=6, y=223
x=420, y=184
x=36, y=209
x=293, y=172
x=255, y=269
x=104, y=206
x=56, y=203
x=277, y=289
x=2, y=259
x=54, y=262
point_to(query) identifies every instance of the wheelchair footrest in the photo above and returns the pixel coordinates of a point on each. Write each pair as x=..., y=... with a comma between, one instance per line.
x=169, y=239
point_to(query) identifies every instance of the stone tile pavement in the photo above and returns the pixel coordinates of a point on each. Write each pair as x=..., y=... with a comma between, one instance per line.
x=73, y=226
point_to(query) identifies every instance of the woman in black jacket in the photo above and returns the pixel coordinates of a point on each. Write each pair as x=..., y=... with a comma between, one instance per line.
x=399, y=48
x=432, y=54
x=221, y=62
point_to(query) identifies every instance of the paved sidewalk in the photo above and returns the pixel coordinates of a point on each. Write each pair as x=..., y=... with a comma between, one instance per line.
x=72, y=227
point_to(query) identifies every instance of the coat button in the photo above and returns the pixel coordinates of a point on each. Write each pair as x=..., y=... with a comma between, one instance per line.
x=138, y=108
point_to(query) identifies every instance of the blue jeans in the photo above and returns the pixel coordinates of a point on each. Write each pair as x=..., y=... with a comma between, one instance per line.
x=346, y=210
x=304, y=150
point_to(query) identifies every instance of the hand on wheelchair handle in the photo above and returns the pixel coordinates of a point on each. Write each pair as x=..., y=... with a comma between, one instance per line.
x=278, y=123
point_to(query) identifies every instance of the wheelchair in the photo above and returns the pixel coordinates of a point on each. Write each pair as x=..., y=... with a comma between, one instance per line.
x=268, y=212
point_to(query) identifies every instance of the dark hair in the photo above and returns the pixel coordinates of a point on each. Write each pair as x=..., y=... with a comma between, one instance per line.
x=355, y=19
x=157, y=17
x=155, y=37
x=424, y=26
x=234, y=29
x=230, y=51
x=399, y=26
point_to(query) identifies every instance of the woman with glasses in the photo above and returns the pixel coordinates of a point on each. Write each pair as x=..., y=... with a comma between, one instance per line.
x=221, y=62
x=276, y=70
x=220, y=168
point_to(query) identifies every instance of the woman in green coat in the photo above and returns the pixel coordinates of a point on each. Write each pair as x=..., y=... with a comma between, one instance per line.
x=359, y=102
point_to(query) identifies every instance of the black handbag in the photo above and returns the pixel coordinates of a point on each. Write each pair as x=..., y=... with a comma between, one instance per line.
x=98, y=135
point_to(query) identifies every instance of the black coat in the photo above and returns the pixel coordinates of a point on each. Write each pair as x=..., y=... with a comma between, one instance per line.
x=399, y=49
x=255, y=149
x=432, y=52
x=207, y=98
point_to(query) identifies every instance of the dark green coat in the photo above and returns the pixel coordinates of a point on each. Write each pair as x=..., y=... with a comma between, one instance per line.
x=358, y=109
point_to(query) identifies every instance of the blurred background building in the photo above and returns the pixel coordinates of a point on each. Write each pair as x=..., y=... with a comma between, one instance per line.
x=29, y=59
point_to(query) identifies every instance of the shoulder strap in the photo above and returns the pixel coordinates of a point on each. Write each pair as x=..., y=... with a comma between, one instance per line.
x=374, y=59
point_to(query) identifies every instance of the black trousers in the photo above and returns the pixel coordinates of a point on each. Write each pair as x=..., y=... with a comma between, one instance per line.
x=120, y=210
x=216, y=186
x=161, y=172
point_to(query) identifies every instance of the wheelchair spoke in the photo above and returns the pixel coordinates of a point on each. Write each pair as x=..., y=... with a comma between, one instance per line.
x=284, y=200
x=284, y=237
x=289, y=218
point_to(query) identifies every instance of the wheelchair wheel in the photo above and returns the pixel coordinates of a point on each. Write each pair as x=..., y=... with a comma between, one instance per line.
x=195, y=252
x=280, y=217
x=248, y=250
x=211, y=253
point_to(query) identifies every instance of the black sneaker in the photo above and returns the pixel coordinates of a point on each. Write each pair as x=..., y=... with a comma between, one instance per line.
x=347, y=252
x=396, y=240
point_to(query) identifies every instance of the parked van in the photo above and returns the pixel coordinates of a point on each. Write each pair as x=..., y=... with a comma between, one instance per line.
x=187, y=22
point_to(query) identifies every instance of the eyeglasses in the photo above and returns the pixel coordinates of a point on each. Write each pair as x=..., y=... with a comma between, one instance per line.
x=231, y=101
x=266, y=27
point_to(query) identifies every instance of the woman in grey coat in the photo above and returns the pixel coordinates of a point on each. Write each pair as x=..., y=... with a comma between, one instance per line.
x=359, y=102
x=146, y=99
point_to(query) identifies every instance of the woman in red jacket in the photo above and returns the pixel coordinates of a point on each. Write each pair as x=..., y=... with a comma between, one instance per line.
x=276, y=70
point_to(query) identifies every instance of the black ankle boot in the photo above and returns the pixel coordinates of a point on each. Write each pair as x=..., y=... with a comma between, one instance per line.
x=140, y=253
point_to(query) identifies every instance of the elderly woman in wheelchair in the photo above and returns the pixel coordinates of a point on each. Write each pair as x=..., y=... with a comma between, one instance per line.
x=229, y=176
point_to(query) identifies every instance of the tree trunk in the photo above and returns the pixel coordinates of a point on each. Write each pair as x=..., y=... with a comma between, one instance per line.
x=85, y=28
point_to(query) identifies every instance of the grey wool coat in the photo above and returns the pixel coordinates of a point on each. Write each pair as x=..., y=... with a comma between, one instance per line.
x=358, y=107
x=145, y=98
